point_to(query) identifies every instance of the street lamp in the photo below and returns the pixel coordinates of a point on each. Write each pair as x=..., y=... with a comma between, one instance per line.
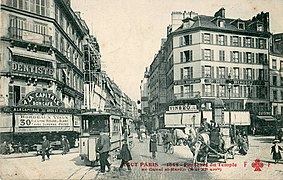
x=230, y=83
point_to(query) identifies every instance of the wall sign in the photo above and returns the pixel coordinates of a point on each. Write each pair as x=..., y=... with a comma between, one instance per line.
x=32, y=69
x=41, y=98
x=46, y=120
x=185, y=107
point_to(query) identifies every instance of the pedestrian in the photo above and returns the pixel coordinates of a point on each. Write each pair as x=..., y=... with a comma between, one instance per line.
x=64, y=145
x=4, y=148
x=68, y=144
x=275, y=151
x=125, y=156
x=45, y=148
x=280, y=133
x=204, y=126
x=103, y=148
x=153, y=144
x=253, y=131
x=126, y=133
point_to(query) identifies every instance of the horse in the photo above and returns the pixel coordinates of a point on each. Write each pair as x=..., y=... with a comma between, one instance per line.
x=198, y=142
x=179, y=135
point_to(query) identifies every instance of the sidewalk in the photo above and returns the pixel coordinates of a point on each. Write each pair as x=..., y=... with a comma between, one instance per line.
x=34, y=154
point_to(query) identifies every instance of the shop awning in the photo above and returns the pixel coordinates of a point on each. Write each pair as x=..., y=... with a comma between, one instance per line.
x=33, y=55
x=267, y=118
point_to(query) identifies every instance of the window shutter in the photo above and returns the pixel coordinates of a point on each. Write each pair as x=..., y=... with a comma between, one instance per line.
x=203, y=90
x=265, y=59
x=213, y=90
x=226, y=72
x=181, y=40
x=217, y=90
x=231, y=40
x=191, y=55
x=257, y=58
x=192, y=74
x=211, y=39
x=231, y=72
x=240, y=73
x=240, y=57
x=202, y=71
x=212, y=55
x=23, y=92
x=181, y=56
x=265, y=71
x=212, y=72
x=220, y=55
x=182, y=73
x=241, y=91
x=202, y=53
x=245, y=57
x=217, y=37
x=244, y=73
x=11, y=95
x=244, y=42
x=257, y=74
x=217, y=72
x=253, y=74
x=191, y=39
x=225, y=40
x=257, y=43
x=231, y=56
x=202, y=37
x=252, y=42
x=253, y=59
x=239, y=41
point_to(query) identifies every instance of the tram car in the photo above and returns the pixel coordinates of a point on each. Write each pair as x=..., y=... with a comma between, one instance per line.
x=91, y=125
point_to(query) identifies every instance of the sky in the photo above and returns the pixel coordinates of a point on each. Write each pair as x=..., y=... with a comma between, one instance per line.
x=129, y=32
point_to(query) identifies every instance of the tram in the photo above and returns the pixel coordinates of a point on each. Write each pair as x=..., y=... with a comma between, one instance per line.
x=91, y=125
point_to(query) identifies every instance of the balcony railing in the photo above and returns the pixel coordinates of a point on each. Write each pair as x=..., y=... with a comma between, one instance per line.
x=187, y=95
x=29, y=36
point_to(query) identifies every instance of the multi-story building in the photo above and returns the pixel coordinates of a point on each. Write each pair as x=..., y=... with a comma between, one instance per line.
x=41, y=67
x=157, y=88
x=203, y=52
x=276, y=77
x=94, y=94
x=144, y=91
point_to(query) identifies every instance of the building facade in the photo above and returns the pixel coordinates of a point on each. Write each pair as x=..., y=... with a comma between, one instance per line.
x=204, y=53
x=144, y=91
x=41, y=66
x=276, y=78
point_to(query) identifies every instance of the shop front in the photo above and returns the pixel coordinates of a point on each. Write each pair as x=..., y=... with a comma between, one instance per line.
x=40, y=113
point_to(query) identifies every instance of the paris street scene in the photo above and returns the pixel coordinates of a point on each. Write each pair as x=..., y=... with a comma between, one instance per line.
x=128, y=89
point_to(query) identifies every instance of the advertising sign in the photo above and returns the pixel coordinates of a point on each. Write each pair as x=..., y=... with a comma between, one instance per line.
x=42, y=122
x=41, y=98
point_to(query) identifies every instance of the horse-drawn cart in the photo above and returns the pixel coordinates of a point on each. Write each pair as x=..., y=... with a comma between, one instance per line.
x=226, y=154
x=211, y=144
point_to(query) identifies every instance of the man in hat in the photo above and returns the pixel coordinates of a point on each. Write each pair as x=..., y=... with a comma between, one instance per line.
x=204, y=126
x=215, y=138
x=45, y=148
x=275, y=151
x=103, y=148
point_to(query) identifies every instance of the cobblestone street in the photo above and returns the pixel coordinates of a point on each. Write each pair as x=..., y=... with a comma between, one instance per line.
x=29, y=166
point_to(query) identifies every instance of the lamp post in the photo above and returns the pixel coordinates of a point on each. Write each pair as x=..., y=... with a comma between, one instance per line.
x=230, y=83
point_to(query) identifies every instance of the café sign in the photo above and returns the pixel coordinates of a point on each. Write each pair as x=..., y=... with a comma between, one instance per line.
x=41, y=98
x=32, y=69
x=186, y=107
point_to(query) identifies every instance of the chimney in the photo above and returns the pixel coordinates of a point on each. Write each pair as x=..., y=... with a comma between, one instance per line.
x=220, y=13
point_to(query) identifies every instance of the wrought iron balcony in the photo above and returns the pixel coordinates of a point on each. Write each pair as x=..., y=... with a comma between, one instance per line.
x=29, y=36
x=187, y=95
